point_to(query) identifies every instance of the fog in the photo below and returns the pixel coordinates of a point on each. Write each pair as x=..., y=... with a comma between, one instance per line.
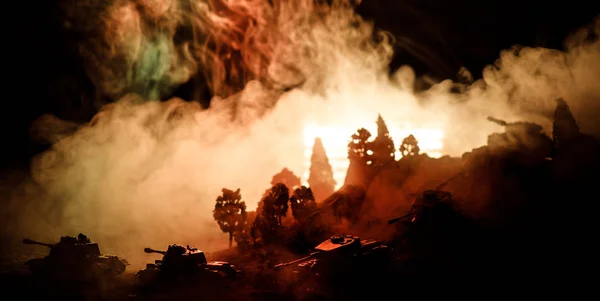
x=147, y=173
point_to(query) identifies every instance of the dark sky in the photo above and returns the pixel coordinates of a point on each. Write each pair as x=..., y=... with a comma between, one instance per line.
x=44, y=76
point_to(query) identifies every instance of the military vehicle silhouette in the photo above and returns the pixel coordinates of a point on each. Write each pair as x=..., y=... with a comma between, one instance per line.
x=75, y=258
x=336, y=263
x=179, y=261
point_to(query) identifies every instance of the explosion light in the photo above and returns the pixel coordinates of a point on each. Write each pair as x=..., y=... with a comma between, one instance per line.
x=335, y=141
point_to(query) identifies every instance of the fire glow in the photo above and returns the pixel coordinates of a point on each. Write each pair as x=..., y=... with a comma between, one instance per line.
x=283, y=73
x=335, y=140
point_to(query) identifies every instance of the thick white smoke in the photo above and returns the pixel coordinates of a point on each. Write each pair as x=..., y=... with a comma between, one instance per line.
x=146, y=173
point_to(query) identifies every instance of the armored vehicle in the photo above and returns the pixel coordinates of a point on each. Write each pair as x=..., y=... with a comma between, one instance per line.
x=338, y=261
x=423, y=205
x=432, y=238
x=75, y=258
x=431, y=202
x=526, y=138
x=185, y=261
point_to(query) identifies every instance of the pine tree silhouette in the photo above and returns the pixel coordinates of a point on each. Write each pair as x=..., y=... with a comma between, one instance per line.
x=382, y=130
x=357, y=154
x=382, y=148
x=565, y=127
x=320, y=179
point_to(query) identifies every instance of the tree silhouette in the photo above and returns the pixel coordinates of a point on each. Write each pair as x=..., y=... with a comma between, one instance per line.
x=410, y=146
x=357, y=154
x=266, y=223
x=230, y=212
x=281, y=195
x=320, y=178
x=382, y=148
x=564, y=128
x=286, y=177
x=302, y=202
x=275, y=201
x=358, y=146
x=243, y=236
x=264, y=226
x=271, y=208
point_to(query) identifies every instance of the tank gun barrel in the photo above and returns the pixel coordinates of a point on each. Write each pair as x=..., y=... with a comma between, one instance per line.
x=497, y=121
x=443, y=184
x=150, y=250
x=394, y=220
x=281, y=265
x=28, y=241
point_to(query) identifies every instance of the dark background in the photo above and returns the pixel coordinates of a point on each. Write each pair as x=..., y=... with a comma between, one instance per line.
x=45, y=75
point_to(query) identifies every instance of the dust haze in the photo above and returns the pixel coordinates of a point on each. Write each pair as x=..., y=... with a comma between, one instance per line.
x=146, y=173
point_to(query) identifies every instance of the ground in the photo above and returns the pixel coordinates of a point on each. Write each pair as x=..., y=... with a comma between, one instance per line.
x=257, y=282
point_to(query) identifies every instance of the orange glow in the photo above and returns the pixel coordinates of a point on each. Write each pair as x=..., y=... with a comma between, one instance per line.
x=335, y=140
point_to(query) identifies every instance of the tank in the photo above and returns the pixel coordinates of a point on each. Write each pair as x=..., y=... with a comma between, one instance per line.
x=336, y=262
x=179, y=261
x=433, y=237
x=429, y=201
x=75, y=258
x=518, y=127
x=526, y=137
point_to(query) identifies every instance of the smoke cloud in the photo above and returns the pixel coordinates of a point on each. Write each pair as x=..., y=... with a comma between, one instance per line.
x=147, y=173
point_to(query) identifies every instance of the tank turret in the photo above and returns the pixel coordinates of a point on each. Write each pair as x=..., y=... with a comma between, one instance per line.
x=525, y=137
x=423, y=204
x=429, y=199
x=185, y=261
x=526, y=127
x=337, y=259
x=75, y=258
